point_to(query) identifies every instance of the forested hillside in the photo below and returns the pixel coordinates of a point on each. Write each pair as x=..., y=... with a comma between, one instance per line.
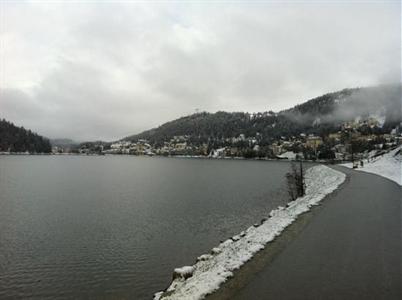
x=19, y=139
x=320, y=115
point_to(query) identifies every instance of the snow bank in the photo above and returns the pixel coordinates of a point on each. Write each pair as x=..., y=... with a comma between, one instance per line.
x=289, y=155
x=183, y=272
x=211, y=270
x=388, y=165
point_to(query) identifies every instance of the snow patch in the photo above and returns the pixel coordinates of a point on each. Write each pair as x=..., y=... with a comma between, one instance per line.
x=288, y=155
x=388, y=165
x=204, y=257
x=215, y=268
x=183, y=272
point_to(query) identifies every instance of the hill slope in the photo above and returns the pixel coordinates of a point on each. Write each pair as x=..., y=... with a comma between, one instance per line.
x=320, y=115
x=19, y=139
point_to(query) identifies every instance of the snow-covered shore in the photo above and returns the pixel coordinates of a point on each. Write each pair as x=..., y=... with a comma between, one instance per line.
x=213, y=269
x=388, y=165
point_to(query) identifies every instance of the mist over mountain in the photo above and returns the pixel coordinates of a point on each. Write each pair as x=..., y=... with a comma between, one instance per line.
x=320, y=115
x=62, y=142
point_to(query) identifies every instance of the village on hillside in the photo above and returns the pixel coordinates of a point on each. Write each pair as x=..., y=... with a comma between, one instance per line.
x=355, y=140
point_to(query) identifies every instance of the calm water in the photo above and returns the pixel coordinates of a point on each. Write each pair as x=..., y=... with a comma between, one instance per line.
x=76, y=227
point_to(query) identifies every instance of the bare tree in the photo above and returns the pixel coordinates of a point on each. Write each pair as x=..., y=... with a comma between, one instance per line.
x=295, y=181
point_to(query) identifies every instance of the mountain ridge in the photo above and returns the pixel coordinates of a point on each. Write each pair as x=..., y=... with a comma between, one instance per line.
x=319, y=115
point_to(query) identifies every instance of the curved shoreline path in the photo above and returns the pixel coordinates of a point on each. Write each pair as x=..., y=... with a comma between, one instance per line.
x=351, y=249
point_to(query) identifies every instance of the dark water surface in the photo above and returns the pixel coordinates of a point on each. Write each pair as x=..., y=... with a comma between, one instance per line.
x=114, y=227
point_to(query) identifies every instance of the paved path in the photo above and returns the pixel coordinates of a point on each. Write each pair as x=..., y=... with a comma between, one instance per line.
x=352, y=248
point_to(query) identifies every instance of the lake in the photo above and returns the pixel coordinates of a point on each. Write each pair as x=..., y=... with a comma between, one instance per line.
x=115, y=227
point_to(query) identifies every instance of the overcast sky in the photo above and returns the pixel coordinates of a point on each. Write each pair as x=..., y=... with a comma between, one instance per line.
x=91, y=70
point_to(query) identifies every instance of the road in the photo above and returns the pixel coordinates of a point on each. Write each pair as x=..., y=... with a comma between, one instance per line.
x=350, y=249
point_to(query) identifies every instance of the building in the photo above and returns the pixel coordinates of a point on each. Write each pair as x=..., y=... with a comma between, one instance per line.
x=180, y=146
x=335, y=136
x=314, y=142
x=276, y=149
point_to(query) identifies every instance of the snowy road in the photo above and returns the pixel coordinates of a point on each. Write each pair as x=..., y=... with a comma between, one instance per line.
x=351, y=249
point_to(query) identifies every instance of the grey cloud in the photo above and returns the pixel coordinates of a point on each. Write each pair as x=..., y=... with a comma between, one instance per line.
x=108, y=70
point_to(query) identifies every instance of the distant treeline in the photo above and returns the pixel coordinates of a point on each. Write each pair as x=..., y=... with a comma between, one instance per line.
x=19, y=139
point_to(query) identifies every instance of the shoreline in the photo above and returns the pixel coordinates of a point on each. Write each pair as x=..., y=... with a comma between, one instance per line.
x=333, y=254
x=262, y=259
x=324, y=162
x=213, y=270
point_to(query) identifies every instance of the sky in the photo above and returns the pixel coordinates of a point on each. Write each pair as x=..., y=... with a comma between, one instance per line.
x=103, y=70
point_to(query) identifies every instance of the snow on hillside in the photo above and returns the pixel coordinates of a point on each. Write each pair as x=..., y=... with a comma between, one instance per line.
x=388, y=165
x=213, y=269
